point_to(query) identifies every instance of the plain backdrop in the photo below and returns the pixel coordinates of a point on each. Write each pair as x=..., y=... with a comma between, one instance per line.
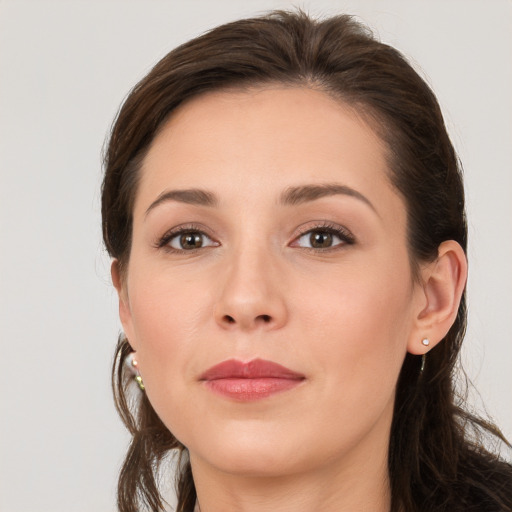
x=64, y=69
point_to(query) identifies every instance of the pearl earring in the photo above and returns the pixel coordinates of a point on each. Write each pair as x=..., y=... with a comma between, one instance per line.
x=132, y=363
x=425, y=342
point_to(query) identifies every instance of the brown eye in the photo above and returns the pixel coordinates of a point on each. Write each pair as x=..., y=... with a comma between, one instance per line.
x=188, y=241
x=320, y=239
x=191, y=241
x=323, y=238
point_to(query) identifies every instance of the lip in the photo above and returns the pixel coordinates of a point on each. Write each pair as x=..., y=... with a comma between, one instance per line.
x=253, y=380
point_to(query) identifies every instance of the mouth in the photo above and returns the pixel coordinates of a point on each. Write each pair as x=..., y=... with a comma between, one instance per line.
x=254, y=380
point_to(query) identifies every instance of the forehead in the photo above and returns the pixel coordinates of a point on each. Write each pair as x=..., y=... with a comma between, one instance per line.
x=263, y=139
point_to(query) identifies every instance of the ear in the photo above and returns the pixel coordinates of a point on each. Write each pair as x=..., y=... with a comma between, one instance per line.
x=443, y=284
x=125, y=314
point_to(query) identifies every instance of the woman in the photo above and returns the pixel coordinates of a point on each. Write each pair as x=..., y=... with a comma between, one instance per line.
x=286, y=216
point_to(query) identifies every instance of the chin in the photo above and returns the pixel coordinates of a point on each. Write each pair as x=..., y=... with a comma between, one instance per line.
x=256, y=452
x=255, y=462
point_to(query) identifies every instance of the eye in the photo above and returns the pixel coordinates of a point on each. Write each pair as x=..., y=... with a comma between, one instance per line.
x=319, y=240
x=328, y=237
x=186, y=239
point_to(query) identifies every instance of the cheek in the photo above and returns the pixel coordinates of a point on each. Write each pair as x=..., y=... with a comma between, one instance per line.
x=359, y=324
x=358, y=303
x=165, y=325
x=166, y=316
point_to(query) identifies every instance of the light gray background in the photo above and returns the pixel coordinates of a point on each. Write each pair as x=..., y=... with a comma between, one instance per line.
x=64, y=69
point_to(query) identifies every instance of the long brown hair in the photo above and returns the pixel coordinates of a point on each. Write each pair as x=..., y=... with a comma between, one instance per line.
x=436, y=460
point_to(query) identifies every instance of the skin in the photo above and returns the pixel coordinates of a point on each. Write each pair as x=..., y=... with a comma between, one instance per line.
x=344, y=316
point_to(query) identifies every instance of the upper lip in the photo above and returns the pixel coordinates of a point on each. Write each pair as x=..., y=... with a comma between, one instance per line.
x=257, y=368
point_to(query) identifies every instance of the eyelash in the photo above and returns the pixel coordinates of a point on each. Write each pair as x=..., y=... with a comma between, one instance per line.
x=325, y=227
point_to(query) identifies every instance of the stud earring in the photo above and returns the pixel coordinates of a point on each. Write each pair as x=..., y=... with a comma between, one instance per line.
x=132, y=363
x=425, y=342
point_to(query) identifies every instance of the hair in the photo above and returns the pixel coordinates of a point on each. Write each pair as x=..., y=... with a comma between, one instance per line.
x=437, y=459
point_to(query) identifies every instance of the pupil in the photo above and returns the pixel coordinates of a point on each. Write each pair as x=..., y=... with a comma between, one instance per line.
x=191, y=241
x=321, y=240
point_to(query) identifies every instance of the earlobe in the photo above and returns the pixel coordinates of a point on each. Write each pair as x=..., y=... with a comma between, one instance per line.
x=443, y=284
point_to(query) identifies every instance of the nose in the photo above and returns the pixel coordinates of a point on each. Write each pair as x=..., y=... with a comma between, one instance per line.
x=252, y=295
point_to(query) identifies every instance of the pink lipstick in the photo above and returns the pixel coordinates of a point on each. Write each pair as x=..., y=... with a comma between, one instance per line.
x=250, y=381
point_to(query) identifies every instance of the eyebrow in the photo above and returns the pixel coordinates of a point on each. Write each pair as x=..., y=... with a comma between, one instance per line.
x=290, y=197
x=189, y=196
x=305, y=193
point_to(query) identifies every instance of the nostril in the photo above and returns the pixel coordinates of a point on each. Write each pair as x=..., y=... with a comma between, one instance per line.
x=265, y=318
x=229, y=319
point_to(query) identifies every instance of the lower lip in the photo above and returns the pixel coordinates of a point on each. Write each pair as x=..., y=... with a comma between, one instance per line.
x=246, y=390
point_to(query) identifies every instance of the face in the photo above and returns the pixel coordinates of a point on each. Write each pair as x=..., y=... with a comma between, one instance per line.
x=267, y=239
